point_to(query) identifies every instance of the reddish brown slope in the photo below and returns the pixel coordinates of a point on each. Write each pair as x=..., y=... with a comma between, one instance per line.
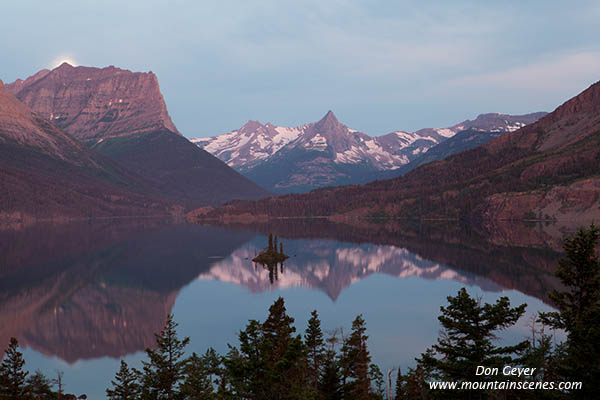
x=45, y=173
x=547, y=169
x=122, y=115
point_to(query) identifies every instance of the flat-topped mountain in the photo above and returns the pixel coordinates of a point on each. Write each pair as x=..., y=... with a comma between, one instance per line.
x=95, y=104
x=546, y=170
x=44, y=172
x=122, y=114
x=327, y=152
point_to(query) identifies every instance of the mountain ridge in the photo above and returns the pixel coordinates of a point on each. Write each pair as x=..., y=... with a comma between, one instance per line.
x=327, y=152
x=547, y=170
x=123, y=115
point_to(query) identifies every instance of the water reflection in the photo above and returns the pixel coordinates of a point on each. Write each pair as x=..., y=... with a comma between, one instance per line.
x=84, y=291
x=87, y=291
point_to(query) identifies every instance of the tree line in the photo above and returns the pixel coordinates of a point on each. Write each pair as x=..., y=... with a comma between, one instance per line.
x=271, y=361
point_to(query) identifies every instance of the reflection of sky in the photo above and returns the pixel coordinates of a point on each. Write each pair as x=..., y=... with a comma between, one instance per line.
x=401, y=314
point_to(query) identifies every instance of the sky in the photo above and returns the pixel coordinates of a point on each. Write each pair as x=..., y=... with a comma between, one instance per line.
x=380, y=66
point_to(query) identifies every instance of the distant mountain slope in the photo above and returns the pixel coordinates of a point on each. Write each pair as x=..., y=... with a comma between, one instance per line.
x=123, y=115
x=483, y=129
x=327, y=152
x=550, y=168
x=45, y=173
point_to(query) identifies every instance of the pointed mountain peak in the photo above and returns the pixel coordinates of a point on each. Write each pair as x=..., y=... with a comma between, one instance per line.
x=65, y=65
x=328, y=122
x=330, y=116
x=251, y=125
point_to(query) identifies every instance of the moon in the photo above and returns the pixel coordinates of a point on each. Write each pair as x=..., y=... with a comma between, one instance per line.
x=62, y=59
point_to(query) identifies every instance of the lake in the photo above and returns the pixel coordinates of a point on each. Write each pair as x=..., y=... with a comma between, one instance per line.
x=81, y=296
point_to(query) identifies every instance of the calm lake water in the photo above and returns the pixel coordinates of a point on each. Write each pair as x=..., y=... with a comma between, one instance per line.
x=81, y=296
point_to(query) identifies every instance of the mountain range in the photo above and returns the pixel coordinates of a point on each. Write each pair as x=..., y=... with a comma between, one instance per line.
x=82, y=141
x=546, y=170
x=327, y=152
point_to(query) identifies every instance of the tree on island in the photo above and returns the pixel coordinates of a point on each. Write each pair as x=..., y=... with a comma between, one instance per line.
x=270, y=257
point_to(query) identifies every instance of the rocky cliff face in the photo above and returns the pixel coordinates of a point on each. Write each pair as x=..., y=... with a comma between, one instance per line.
x=94, y=104
x=327, y=152
x=122, y=115
x=46, y=173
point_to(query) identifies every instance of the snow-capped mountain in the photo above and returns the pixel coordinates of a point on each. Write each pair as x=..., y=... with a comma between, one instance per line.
x=328, y=152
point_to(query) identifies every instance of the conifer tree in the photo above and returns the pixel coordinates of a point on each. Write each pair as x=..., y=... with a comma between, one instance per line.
x=377, y=382
x=315, y=348
x=467, y=338
x=579, y=310
x=355, y=362
x=164, y=371
x=284, y=354
x=399, y=393
x=39, y=385
x=125, y=386
x=281, y=248
x=197, y=384
x=12, y=376
x=246, y=367
x=330, y=384
x=275, y=244
x=270, y=249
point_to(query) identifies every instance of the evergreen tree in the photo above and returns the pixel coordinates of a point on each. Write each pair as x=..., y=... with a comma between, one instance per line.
x=12, y=376
x=579, y=310
x=399, y=393
x=125, y=386
x=281, y=249
x=39, y=385
x=197, y=384
x=467, y=338
x=270, y=249
x=355, y=362
x=315, y=349
x=284, y=354
x=165, y=368
x=330, y=384
x=246, y=367
x=275, y=244
x=377, y=382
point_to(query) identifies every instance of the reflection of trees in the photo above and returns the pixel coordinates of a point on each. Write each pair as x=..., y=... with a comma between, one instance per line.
x=513, y=255
x=274, y=269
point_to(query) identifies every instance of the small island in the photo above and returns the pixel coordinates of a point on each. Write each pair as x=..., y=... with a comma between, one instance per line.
x=270, y=255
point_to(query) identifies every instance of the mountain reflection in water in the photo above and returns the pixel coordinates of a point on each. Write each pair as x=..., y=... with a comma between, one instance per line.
x=83, y=291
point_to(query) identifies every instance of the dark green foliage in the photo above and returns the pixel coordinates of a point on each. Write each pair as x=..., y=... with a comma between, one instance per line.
x=330, y=384
x=39, y=385
x=315, y=349
x=198, y=384
x=164, y=371
x=125, y=386
x=355, y=361
x=579, y=310
x=271, y=257
x=12, y=375
x=467, y=339
x=378, y=384
x=399, y=393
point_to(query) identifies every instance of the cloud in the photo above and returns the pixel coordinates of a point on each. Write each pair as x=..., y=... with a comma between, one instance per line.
x=560, y=72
